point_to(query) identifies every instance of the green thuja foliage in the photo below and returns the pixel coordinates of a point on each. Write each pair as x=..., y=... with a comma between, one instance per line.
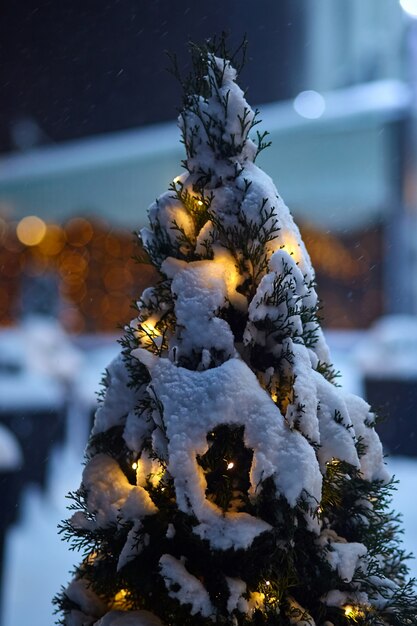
x=328, y=557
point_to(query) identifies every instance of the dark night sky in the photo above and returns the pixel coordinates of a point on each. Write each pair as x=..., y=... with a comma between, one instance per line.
x=83, y=67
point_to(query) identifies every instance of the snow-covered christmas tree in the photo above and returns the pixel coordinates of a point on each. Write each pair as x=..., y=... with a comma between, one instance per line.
x=228, y=479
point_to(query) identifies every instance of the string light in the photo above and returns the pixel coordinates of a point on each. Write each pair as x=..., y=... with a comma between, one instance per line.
x=135, y=465
x=149, y=326
x=332, y=463
x=91, y=558
x=200, y=203
x=267, y=583
x=230, y=465
x=156, y=477
x=292, y=246
x=119, y=600
x=353, y=612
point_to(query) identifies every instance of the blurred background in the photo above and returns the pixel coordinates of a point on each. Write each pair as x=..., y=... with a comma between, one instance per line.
x=88, y=139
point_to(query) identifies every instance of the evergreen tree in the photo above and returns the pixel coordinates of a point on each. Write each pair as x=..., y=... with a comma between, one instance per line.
x=228, y=479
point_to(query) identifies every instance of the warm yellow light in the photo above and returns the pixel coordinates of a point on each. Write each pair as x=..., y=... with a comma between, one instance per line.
x=292, y=246
x=267, y=582
x=149, y=326
x=31, y=230
x=200, y=203
x=54, y=240
x=91, y=558
x=156, y=477
x=119, y=600
x=230, y=465
x=353, y=612
x=135, y=465
x=274, y=396
x=332, y=463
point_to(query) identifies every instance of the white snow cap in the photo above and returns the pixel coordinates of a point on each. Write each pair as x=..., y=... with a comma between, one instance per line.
x=372, y=462
x=190, y=591
x=119, y=398
x=237, y=588
x=342, y=556
x=79, y=591
x=197, y=402
x=200, y=290
x=226, y=127
x=110, y=496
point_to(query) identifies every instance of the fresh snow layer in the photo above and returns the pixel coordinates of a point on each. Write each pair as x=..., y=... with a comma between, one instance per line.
x=372, y=462
x=196, y=403
x=187, y=589
x=237, y=589
x=200, y=290
x=343, y=556
x=110, y=496
x=80, y=592
x=119, y=399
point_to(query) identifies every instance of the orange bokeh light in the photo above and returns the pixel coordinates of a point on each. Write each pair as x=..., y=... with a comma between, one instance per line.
x=79, y=232
x=53, y=241
x=31, y=230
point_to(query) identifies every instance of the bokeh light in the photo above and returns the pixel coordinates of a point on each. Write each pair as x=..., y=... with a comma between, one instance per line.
x=309, y=104
x=410, y=7
x=79, y=232
x=53, y=241
x=31, y=230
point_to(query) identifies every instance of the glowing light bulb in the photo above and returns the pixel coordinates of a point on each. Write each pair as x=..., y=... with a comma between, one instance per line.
x=156, y=477
x=135, y=465
x=119, y=600
x=91, y=558
x=353, y=612
x=230, y=465
x=267, y=582
x=200, y=203
x=149, y=326
x=292, y=246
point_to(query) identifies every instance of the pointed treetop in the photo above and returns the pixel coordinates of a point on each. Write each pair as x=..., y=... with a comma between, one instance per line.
x=215, y=119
